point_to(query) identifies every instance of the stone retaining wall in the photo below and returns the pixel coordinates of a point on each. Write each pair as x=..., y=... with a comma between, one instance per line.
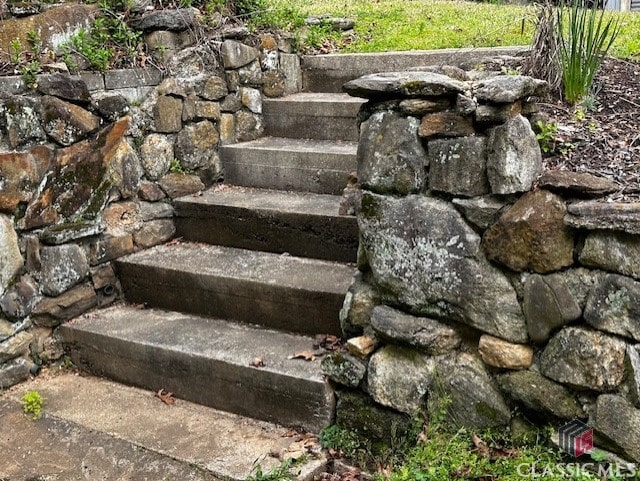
x=89, y=165
x=509, y=295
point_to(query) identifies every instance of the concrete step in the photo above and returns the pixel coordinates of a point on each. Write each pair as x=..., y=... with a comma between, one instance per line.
x=97, y=429
x=318, y=166
x=323, y=116
x=327, y=73
x=273, y=290
x=301, y=224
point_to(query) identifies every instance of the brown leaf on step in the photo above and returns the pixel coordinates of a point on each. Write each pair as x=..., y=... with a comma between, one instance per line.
x=291, y=433
x=329, y=342
x=173, y=242
x=257, y=362
x=481, y=446
x=166, y=397
x=306, y=355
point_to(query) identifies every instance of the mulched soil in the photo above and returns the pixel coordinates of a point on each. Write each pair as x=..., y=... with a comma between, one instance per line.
x=606, y=141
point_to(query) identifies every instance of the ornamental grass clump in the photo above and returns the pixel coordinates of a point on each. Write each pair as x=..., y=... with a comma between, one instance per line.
x=584, y=36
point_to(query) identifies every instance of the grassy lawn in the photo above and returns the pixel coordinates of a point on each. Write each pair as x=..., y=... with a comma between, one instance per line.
x=384, y=25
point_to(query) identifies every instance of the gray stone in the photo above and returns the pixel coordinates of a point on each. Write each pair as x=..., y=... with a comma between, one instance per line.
x=65, y=122
x=154, y=232
x=481, y=212
x=7, y=330
x=121, y=218
x=204, y=109
x=404, y=84
x=177, y=20
x=178, y=185
x=632, y=374
x=577, y=184
x=111, y=106
x=21, y=174
x=391, y=158
x=358, y=305
x=594, y=215
x=252, y=99
x=612, y=251
x=251, y=74
x=617, y=420
x=344, y=369
x=614, y=306
x=233, y=80
x=120, y=79
x=150, y=191
x=20, y=298
x=458, y=166
x=107, y=248
x=70, y=231
x=580, y=282
x=171, y=87
x=22, y=121
x=235, y=54
x=290, y=66
x=125, y=170
x=231, y=103
x=428, y=335
x=15, y=346
x=62, y=267
x=425, y=257
x=357, y=412
x=195, y=146
x=14, y=372
x=227, y=128
x=514, y=160
x=445, y=124
x=548, y=304
x=52, y=311
x=156, y=154
x=420, y=107
x=10, y=257
x=583, y=358
x=156, y=210
x=336, y=23
x=531, y=235
x=405, y=393
x=273, y=83
x=249, y=126
x=508, y=88
x=189, y=107
x=502, y=354
x=465, y=105
x=497, y=114
x=475, y=401
x=539, y=394
x=167, y=114
x=64, y=87
x=215, y=88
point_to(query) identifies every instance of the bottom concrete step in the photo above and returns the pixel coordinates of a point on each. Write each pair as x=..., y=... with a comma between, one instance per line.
x=204, y=360
x=97, y=429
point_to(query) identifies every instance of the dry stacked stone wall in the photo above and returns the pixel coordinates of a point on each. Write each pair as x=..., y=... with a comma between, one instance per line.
x=510, y=293
x=89, y=165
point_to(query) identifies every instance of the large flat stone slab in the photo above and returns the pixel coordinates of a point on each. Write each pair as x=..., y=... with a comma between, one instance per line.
x=277, y=291
x=301, y=224
x=204, y=360
x=110, y=431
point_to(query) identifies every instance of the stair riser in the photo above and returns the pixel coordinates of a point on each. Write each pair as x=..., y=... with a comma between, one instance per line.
x=242, y=300
x=242, y=390
x=310, y=127
x=331, y=238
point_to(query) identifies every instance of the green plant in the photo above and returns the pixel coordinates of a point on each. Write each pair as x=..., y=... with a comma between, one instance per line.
x=176, y=167
x=340, y=440
x=15, y=51
x=32, y=403
x=584, y=38
x=280, y=473
x=35, y=42
x=546, y=135
x=28, y=71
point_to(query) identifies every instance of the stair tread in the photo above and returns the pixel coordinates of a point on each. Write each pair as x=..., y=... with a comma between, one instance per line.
x=229, y=342
x=307, y=203
x=343, y=147
x=298, y=273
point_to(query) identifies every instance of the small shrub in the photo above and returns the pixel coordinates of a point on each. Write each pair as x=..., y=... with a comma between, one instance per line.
x=32, y=403
x=341, y=440
x=280, y=473
x=546, y=135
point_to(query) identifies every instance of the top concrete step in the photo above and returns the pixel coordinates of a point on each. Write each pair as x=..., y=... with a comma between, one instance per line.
x=328, y=73
x=323, y=116
x=98, y=429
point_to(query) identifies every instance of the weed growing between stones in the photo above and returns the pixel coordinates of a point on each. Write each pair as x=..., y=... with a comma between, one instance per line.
x=32, y=403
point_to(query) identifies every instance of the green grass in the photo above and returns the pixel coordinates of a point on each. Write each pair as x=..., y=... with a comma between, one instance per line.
x=386, y=25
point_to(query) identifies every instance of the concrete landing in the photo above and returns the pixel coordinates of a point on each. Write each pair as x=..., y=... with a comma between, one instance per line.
x=299, y=223
x=278, y=291
x=319, y=166
x=96, y=429
x=208, y=361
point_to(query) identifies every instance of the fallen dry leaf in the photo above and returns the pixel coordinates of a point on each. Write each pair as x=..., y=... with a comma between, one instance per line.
x=481, y=446
x=306, y=355
x=257, y=362
x=166, y=397
x=174, y=242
